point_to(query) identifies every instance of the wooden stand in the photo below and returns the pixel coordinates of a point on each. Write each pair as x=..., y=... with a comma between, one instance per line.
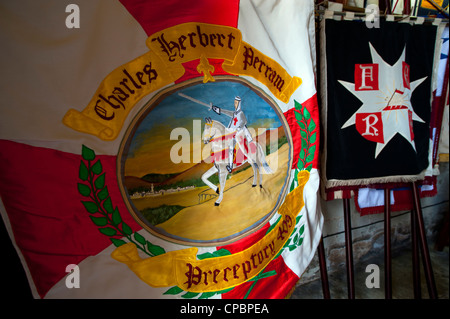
x=415, y=257
x=418, y=240
x=323, y=271
x=387, y=245
x=349, y=249
x=423, y=244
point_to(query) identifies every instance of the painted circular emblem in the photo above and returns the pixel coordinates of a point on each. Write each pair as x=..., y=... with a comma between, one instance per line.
x=206, y=163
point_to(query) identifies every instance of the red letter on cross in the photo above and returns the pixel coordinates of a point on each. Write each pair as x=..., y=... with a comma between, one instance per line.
x=366, y=77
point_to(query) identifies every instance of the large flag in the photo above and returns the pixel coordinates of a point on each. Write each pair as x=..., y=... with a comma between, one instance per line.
x=160, y=149
x=377, y=81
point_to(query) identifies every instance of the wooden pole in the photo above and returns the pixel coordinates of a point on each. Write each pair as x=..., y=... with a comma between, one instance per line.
x=415, y=257
x=323, y=270
x=423, y=243
x=349, y=249
x=387, y=245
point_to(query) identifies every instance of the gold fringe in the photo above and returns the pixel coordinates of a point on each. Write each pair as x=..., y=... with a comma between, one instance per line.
x=376, y=180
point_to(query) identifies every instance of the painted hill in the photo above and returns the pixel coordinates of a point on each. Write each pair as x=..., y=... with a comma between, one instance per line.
x=133, y=182
x=195, y=172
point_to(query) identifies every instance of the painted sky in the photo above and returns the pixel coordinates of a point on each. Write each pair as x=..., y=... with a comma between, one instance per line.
x=149, y=150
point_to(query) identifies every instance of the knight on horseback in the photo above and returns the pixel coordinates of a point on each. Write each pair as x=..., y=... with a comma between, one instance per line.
x=238, y=122
x=217, y=134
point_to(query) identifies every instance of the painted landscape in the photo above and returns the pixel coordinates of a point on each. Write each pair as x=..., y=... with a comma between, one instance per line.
x=173, y=199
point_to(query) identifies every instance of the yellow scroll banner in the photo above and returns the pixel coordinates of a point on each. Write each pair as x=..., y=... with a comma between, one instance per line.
x=181, y=267
x=163, y=64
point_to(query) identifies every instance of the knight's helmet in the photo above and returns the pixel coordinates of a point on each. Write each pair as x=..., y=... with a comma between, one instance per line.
x=237, y=98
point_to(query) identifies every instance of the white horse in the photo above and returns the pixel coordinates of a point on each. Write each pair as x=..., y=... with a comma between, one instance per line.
x=221, y=139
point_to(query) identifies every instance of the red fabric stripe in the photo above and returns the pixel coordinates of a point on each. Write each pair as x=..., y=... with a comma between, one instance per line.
x=247, y=241
x=274, y=287
x=158, y=15
x=312, y=106
x=38, y=187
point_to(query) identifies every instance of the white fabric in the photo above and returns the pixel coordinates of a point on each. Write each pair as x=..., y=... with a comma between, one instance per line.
x=370, y=197
x=53, y=68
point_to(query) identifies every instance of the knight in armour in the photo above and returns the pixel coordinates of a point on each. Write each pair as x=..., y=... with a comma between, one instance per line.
x=238, y=122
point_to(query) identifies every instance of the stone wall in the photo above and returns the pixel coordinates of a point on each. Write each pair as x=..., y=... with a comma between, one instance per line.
x=368, y=231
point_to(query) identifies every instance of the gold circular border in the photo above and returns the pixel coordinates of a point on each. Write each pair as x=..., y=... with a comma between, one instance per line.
x=147, y=108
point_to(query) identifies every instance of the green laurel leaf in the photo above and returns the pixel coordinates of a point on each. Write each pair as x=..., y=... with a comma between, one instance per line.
x=292, y=187
x=107, y=205
x=154, y=249
x=99, y=221
x=87, y=153
x=217, y=253
x=103, y=194
x=302, y=229
x=221, y=252
x=117, y=242
x=312, y=151
x=175, y=290
x=311, y=126
x=100, y=181
x=190, y=295
x=305, y=143
x=91, y=207
x=83, y=172
x=84, y=189
x=302, y=154
x=126, y=229
x=116, y=218
x=205, y=256
x=108, y=231
x=299, y=118
x=312, y=138
x=295, y=180
x=97, y=168
x=99, y=193
x=207, y=295
x=139, y=238
x=306, y=113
